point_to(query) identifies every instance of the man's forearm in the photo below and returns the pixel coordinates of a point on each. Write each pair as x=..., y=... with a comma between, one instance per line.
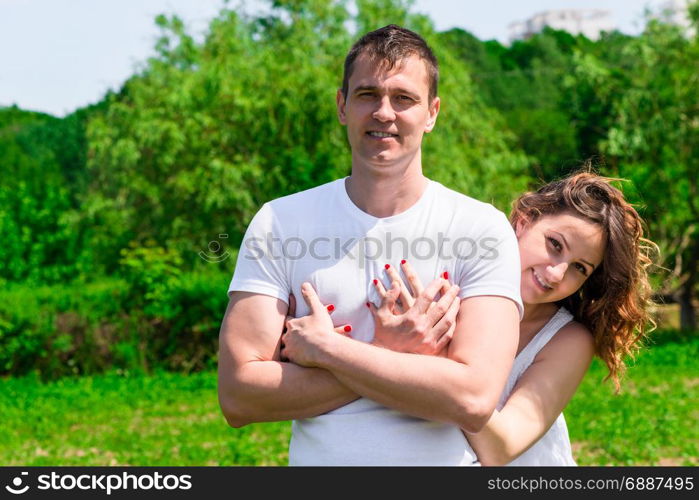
x=462, y=389
x=253, y=385
x=266, y=391
x=429, y=387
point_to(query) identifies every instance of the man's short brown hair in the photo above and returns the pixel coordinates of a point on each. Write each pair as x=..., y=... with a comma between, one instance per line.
x=389, y=46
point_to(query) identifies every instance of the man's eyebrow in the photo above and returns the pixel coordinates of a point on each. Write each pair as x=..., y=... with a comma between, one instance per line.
x=565, y=242
x=363, y=87
x=407, y=91
x=373, y=88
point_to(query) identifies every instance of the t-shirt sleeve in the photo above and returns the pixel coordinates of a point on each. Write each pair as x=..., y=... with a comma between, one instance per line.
x=493, y=267
x=260, y=267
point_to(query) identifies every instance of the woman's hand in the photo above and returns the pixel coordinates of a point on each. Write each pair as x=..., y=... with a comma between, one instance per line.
x=304, y=339
x=409, y=320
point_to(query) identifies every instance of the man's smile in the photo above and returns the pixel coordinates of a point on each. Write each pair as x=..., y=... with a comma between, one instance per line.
x=381, y=135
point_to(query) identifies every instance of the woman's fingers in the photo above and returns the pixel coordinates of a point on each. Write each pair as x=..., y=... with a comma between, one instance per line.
x=311, y=298
x=414, y=295
x=445, y=284
x=443, y=304
x=426, y=297
x=389, y=298
x=406, y=299
x=413, y=279
x=445, y=327
x=344, y=330
x=380, y=289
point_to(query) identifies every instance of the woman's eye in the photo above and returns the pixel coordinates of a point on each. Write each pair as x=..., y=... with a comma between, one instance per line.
x=555, y=243
x=581, y=268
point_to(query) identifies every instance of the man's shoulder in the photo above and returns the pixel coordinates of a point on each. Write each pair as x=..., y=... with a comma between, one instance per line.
x=301, y=205
x=312, y=194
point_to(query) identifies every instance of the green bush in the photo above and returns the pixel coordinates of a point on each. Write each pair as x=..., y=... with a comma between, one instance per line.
x=58, y=329
x=139, y=325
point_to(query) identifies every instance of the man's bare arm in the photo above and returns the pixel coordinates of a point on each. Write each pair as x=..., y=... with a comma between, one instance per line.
x=253, y=384
x=462, y=389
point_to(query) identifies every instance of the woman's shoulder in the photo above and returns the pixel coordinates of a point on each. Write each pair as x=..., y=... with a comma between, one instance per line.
x=573, y=336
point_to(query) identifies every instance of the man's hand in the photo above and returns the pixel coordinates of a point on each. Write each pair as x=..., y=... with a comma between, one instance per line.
x=305, y=338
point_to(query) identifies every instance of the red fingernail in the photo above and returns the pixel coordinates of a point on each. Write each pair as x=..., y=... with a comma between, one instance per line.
x=403, y=261
x=368, y=305
x=376, y=281
x=331, y=308
x=446, y=275
x=387, y=266
x=348, y=328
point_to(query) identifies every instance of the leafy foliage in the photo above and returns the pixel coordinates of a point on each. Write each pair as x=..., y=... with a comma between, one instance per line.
x=207, y=133
x=39, y=175
x=160, y=319
x=135, y=186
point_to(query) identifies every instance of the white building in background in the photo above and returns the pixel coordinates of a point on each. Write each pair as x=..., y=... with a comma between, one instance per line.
x=588, y=22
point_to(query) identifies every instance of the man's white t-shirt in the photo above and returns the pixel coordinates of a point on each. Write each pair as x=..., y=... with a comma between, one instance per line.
x=321, y=237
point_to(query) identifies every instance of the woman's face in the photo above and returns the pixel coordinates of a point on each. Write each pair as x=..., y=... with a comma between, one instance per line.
x=558, y=253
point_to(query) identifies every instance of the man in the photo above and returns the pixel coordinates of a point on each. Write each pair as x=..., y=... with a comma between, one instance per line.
x=385, y=408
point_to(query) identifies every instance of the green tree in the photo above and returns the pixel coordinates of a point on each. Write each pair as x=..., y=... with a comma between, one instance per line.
x=524, y=83
x=40, y=167
x=653, y=140
x=206, y=133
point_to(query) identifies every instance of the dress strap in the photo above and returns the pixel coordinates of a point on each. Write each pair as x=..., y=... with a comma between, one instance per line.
x=526, y=357
x=561, y=318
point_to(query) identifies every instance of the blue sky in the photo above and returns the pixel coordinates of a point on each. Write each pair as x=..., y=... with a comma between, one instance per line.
x=59, y=55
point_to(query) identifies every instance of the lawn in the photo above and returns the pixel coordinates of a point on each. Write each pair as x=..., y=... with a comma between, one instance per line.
x=174, y=419
x=652, y=421
x=168, y=419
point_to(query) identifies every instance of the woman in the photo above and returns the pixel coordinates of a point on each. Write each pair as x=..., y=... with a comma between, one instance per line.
x=585, y=290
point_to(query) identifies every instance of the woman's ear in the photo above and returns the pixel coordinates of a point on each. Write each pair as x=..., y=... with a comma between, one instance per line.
x=520, y=225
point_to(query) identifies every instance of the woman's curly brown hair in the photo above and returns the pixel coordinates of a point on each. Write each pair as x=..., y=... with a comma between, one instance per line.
x=615, y=302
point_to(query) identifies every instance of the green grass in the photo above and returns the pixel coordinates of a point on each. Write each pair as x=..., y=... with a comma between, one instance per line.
x=173, y=419
x=652, y=421
x=168, y=419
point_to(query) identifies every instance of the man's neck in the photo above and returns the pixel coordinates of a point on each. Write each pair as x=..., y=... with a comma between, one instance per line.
x=383, y=194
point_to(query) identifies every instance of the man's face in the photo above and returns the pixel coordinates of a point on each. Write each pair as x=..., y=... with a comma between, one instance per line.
x=387, y=112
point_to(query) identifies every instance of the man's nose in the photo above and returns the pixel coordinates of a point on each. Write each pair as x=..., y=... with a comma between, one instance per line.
x=554, y=274
x=384, y=112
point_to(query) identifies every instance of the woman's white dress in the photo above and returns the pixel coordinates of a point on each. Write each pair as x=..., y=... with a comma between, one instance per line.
x=554, y=447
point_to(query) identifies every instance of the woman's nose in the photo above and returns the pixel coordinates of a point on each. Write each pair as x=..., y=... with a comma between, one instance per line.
x=556, y=273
